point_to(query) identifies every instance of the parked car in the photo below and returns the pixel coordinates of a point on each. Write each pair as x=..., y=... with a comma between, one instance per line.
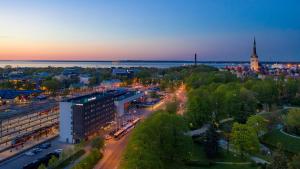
x=45, y=146
x=58, y=150
x=29, y=153
x=36, y=150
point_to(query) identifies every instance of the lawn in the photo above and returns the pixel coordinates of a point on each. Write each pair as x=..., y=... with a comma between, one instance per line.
x=198, y=154
x=289, y=144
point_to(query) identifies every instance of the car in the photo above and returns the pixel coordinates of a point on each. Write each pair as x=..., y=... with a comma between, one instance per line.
x=36, y=150
x=29, y=153
x=45, y=146
x=58, y=150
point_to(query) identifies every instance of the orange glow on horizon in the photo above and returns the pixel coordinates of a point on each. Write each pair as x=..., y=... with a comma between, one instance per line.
x=13, y=49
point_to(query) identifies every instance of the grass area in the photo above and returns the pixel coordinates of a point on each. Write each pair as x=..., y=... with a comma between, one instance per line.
x=198, y=154
x=223, y=166
x=289, y=144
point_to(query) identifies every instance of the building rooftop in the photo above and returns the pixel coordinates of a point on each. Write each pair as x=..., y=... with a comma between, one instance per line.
x=127, y=95
x=87, y=98
x=8, y=112
x=11, y=94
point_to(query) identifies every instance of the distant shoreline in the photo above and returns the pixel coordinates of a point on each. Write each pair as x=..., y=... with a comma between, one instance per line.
x=152, y=61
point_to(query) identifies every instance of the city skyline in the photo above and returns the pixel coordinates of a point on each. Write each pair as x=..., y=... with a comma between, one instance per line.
x=149, y=30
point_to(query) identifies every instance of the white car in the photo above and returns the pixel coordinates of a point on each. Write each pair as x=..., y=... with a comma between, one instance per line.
x=29, y=153
x=58, y=150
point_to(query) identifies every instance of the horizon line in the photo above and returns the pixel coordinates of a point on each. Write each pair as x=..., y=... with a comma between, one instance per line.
x=187, y=61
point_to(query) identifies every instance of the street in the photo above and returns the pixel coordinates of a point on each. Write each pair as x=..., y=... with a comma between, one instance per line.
x=114, y=149
x=20, y=160
x=113, y=153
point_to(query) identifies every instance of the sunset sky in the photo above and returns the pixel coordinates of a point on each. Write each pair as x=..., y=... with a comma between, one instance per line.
x=149, y=29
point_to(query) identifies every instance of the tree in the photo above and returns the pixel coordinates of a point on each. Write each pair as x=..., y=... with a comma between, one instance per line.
x=279, y=160
x=295, y=162
x=266, y=92
x=52, y=162
x=97, y=143
x=248, y=104
x=94, y=80
x=244, y=139
x=89, y=161
x=42, y=166
x=199, y=107
x=159, y=140
x=292, y=121
x=211, y=146
x=172, y=107
x=52, y=85
x=258, y=123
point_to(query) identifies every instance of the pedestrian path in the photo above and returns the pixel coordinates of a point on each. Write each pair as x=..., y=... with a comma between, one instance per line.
x=223, y=144
x=285, y=133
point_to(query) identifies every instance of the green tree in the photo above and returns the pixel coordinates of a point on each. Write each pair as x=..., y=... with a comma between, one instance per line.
x=52, y=162
x=97, y=142
x=292, y=121
x=258, y=123
x=199, y=107
x=244, y=139
x=172, y=107
x=159, y=140
x=266, y=92
x=94, y=80
x=248, y=104
x=42, y=166
x=52, y=85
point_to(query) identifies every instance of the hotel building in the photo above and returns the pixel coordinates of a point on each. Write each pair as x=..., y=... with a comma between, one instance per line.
x=83, y=116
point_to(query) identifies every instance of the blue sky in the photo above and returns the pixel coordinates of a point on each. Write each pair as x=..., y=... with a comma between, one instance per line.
x=149, y=29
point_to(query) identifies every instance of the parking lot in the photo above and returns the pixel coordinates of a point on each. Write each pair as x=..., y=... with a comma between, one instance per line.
x=20, y=160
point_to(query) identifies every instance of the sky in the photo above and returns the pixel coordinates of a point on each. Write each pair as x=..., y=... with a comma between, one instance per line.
x=149, y=29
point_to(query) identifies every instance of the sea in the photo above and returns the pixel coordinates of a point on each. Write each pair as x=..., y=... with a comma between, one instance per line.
x=109, y=64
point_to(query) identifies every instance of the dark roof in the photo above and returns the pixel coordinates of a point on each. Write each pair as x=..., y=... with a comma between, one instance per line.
x=86, y=98
x=11, y=94
x=13, y=111
x=117, y=92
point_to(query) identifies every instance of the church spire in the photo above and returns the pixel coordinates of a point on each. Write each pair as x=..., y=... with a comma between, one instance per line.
x=254, y=64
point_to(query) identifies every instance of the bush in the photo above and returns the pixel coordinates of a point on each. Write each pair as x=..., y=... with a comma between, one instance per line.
x=89, y=161
x=67, y=161
x=292, y=121
x=97, y=143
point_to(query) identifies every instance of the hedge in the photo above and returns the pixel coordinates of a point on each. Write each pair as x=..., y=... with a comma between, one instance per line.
x=66, y=162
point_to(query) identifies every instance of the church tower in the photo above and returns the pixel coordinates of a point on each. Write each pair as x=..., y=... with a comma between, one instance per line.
x=254, y=65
